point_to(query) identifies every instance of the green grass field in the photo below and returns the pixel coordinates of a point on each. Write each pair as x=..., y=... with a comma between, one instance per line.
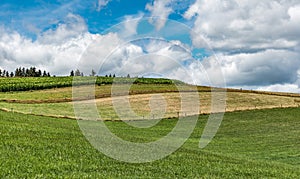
x=249, y=144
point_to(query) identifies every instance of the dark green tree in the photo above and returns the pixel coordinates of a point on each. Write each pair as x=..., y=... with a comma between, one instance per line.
x=77, y=73
x=93, y=73
x=45, y=73
x=39, y=74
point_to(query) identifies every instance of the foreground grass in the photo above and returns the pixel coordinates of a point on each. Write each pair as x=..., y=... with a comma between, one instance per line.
x=252, y=144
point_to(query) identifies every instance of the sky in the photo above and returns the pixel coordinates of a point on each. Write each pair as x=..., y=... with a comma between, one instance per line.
x=248, y=44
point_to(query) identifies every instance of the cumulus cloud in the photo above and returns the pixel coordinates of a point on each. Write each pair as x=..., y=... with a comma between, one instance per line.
x=71, y=46
x=152, y=57
x=245, y=25
x=71, y=27
x=276, y=70
x=160, y=11
x=261, y=68
x=56, y=51
x=289, y=88
x=130, y=25
x=256, y=41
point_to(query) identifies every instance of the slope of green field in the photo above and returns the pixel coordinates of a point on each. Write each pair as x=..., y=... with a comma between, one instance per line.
x=250, y=144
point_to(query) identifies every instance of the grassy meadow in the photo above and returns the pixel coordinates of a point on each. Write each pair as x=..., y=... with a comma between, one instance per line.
x=249, y=144
x=258, y=138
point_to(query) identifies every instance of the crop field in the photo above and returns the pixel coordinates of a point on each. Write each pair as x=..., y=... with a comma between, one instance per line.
x=58, y=102
x=249, y=144
x=34, y=83
x=258, y=138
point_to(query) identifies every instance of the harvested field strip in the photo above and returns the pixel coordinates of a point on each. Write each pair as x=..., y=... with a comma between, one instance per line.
x=141, y=105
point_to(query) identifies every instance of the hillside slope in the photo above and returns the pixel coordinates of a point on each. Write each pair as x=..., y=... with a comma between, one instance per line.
x=254, y=144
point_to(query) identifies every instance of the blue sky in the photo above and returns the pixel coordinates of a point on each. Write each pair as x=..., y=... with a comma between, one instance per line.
x=31, y=17
x=250, y=44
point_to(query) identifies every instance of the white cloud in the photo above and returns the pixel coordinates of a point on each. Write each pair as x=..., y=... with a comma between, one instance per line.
x=154, y=57
x=65, y=48
x=257, y=41
x=101, y=4
x=276, y=70
x=130, y=25
x=72, y=27
x=261, y=68
x=160, y=11
x=245, y=25
x=289, y=88
x=56, y=51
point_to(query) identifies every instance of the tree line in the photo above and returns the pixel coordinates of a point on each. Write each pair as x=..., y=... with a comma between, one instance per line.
x=34, y=72
x=25, y=72
x=77, y=72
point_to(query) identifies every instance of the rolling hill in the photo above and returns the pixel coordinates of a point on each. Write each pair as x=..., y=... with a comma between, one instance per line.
x=258, y=138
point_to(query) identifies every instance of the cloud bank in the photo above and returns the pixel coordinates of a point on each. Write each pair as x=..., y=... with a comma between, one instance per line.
x=56, y=51
x=257, y=41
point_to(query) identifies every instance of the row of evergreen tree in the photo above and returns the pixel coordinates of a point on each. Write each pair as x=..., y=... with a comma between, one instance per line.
x=34, y=72
x=25, y=72
x=93, y=73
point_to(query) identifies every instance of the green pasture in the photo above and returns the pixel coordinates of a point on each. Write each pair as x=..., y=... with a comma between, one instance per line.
x=249, y=144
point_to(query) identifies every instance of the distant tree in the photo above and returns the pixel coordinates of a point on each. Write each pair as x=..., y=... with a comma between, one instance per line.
x=72, y=73
x=81, y=74
x=93, y=73
x=114, y=76
x=23, y=72
x=17, y=72
x=45, y=73
x=77, y=73
x=106, y=76
x=128, y=76
x=48, y=74
x=26, y=72
x=39, y=73
x=32, y=72
x=109, y=76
